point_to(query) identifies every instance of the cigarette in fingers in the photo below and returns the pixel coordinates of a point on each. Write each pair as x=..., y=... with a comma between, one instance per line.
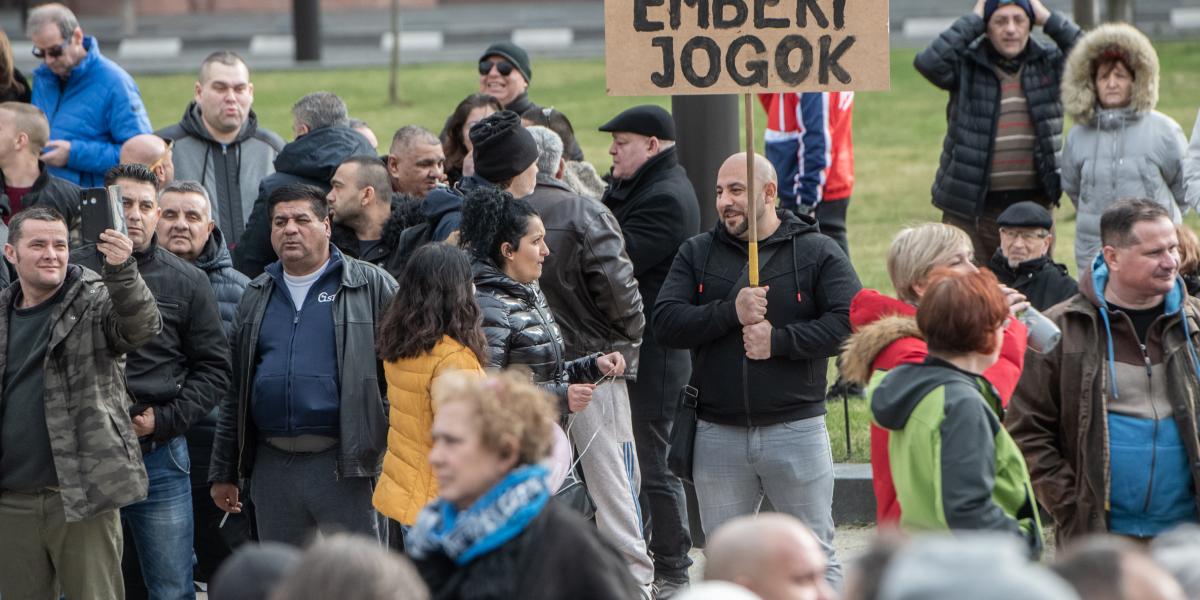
x=221, y=525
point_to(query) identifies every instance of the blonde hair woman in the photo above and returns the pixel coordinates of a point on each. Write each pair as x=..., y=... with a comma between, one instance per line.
x=885, y=333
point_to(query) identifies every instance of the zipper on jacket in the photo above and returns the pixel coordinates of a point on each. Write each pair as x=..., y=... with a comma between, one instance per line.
x=1154, y=435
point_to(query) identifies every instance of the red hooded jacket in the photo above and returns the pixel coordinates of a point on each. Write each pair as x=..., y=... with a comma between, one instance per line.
x=868, y=307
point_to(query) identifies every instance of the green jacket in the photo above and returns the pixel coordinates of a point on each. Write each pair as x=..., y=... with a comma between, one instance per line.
x=953, y=463
x=98, y=320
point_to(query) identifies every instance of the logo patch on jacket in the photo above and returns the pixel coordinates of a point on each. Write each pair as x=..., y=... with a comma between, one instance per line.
x=326, y=297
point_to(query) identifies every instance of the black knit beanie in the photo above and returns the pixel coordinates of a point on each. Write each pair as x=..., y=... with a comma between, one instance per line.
x=503, y=148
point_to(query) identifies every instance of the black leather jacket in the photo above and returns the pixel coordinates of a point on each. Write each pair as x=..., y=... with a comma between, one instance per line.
x=365, y=292
x=521, y=331
x=588, y=278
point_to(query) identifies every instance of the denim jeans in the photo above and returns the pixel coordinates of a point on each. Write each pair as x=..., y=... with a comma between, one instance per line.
x=161, y=524
x=790, y=463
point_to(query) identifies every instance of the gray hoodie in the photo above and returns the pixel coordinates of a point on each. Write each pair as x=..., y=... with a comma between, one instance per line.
x=1120, y=153
x=230, y=172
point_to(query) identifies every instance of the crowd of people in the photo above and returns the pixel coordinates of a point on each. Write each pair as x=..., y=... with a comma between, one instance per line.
x=474, y=367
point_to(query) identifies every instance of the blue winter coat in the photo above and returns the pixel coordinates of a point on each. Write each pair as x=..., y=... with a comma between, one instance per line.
x=97, y=109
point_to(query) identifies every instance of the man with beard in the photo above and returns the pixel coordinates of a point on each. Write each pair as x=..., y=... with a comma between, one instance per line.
x=367, y=218
x=762, y=355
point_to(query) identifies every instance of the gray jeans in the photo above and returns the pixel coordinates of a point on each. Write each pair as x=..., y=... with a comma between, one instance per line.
x=789, y=463
x=610, y=469
x=295, y=494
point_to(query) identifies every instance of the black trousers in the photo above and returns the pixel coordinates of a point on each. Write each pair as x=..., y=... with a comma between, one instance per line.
x=831, y=220
x=663, y=502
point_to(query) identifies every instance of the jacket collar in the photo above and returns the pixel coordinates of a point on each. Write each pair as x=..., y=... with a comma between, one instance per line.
x=487, y=274
x=551, y=182
x=215, y=254
x=349, y=277
x=999, y=264
x=620, y=189
x=89, y=61
x=1173, y=304
x=42, y=179
x=146, y=256
x=790, y=226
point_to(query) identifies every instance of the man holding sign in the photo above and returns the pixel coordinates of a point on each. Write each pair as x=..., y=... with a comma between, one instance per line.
x=761, y=354
x=1004, y=115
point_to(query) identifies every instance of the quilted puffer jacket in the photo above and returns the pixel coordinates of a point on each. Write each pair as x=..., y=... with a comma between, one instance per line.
x=520, y=330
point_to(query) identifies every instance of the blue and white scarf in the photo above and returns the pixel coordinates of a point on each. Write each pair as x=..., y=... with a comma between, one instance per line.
x=497, y=517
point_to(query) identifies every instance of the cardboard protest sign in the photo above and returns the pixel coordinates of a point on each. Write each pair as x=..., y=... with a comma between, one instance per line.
x=679, y=47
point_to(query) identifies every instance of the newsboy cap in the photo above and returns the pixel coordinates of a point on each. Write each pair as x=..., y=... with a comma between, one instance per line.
x=1025, y=214
x=513, y=54
x=648, y=120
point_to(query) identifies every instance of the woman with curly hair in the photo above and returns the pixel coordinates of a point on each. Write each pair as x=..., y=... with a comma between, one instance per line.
x=506, y=239
x=456, y=143
x=494, y=531
x=432, y=328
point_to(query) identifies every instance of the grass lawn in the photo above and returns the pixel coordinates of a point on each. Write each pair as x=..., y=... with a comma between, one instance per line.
x=897, y=137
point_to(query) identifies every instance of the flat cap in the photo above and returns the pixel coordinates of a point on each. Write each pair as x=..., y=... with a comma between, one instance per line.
x=648, y=120
x=1025, y=214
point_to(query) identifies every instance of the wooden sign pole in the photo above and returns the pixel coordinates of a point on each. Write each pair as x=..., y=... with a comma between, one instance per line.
x=751, y=209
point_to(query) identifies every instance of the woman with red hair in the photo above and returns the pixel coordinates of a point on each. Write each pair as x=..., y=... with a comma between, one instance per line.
x=953, y=464
x=886, y=333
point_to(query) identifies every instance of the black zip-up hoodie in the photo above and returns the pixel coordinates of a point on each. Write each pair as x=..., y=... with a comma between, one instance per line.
x=811, y=284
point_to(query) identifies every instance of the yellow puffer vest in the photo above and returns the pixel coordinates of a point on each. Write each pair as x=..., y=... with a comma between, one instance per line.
x=407, y=483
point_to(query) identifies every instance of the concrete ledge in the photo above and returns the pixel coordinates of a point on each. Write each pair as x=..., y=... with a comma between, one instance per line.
x=926, y=27
x=1181, y=18
x=150, y=47
x=853, y=495
x=551, y=37
x=415, y=41
x=272, y=45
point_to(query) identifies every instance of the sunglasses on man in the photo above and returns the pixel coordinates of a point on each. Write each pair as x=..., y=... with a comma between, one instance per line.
x=52, y=51
x=504, y=67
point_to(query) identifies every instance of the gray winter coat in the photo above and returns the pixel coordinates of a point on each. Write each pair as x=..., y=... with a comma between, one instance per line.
x=1191, y=167
x=1119, y=153
x=231, y=172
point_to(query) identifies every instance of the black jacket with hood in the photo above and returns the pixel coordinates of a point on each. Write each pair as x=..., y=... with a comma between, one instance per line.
x=49, y=191
x=405, y=213
x=312, y=159
x=230, y=172
x=811, y=285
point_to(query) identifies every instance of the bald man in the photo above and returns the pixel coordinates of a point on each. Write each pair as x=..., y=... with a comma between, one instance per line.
x=763, y=353
x=154, y=152
x=773, y=555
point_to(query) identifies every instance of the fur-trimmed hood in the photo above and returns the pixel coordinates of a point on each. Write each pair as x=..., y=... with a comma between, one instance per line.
x=860, y=350
x=1079, y=86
